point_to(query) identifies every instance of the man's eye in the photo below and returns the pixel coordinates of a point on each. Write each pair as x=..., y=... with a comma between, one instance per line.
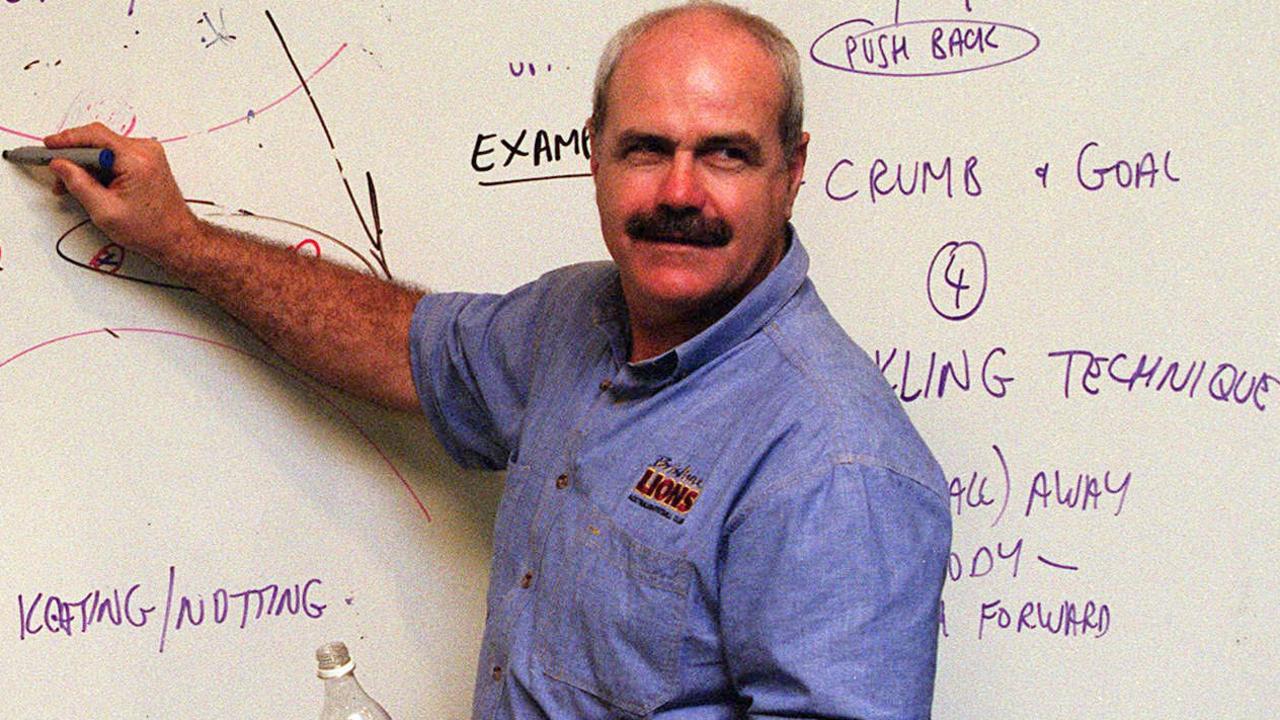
x=729, y=157
x=642, y=152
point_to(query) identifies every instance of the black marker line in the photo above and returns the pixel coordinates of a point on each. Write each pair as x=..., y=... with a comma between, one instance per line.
x=327, y=135
x=378, y=254
x=493, y=183
x=303, y=80
x=308, y=228
x=111, y=333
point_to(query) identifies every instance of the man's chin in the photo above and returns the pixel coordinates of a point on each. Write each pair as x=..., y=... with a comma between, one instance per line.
x=677, y=290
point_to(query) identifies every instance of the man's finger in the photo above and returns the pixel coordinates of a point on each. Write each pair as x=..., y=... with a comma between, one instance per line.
x=92, y=135
x=83, y=186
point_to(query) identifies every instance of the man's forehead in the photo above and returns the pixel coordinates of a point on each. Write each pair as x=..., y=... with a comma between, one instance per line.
x=699, y=55
x=701, y=30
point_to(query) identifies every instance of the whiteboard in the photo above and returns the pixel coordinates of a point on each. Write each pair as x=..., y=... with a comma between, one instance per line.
x=1053, y=225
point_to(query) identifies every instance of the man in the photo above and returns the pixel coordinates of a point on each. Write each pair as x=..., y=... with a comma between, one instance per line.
x=714, y=506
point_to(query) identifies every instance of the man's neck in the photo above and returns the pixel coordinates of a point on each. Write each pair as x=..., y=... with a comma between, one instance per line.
x=647, y=343
x=654, y=333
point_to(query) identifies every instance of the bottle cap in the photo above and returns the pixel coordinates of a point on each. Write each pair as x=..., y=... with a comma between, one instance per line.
x=333, y=660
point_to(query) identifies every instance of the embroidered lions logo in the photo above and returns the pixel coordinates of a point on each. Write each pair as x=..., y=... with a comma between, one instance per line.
x=667, y=490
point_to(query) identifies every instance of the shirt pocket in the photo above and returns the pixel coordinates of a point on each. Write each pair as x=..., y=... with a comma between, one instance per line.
x=616, y=629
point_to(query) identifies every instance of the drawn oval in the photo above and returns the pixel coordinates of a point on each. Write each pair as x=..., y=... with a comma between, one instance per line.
x=871, y=51
x=84, y=246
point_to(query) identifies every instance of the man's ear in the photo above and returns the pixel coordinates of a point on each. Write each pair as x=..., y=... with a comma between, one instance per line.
x=795, y=170
x=592, y=145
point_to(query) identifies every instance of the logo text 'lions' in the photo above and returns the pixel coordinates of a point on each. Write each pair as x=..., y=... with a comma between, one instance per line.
x=668, y=490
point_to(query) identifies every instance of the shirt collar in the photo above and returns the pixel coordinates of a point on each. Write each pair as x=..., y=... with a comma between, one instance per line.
x=744, y=320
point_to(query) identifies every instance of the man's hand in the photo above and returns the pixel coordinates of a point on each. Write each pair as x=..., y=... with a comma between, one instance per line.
x=345, y=328
x=142, y=209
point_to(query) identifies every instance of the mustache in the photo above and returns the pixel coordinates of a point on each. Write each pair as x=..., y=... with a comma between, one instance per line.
x=681, y=225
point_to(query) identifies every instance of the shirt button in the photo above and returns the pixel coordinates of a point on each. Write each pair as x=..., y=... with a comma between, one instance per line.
x=605, y=384
x=497, y=673
x=526, y=581
x=562, y=482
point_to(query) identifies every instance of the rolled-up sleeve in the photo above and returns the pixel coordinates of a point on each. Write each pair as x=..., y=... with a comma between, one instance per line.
x=829, y=593
x=473, y=358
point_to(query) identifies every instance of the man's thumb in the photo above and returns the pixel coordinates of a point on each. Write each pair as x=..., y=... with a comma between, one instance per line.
x=83, y=186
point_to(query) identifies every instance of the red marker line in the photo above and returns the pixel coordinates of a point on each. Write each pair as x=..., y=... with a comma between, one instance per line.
x=242, y=118
x=285, y=369
x=19, y=133
x=282, y=98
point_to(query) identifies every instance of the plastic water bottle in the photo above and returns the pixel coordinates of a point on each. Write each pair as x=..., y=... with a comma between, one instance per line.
x=344, y=699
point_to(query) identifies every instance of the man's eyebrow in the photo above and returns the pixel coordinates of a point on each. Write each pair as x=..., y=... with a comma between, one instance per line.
x=631, y=138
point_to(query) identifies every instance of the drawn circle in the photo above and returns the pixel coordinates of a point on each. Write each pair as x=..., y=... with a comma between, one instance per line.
x=308, y=248
x=957, y=282
x=109, y=259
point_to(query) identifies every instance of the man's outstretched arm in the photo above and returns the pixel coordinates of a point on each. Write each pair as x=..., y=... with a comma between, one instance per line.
x=344, y=328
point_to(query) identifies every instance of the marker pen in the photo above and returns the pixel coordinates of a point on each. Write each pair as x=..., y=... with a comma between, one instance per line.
x=96, y=160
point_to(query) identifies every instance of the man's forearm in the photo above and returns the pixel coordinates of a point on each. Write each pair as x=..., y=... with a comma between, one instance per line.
x=345, y=328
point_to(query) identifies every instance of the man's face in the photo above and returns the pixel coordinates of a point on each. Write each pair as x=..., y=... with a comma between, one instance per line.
x=692, y=185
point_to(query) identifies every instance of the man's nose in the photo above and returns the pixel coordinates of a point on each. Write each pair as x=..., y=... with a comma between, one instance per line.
x=682, y=185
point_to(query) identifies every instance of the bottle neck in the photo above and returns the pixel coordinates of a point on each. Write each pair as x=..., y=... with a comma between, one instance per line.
x=343, y=687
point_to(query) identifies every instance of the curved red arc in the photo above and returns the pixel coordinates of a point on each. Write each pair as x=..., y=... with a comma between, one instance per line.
x=215, y=128
x=277, y=366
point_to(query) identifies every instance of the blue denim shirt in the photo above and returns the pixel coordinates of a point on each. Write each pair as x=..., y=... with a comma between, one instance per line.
x=747, y=525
